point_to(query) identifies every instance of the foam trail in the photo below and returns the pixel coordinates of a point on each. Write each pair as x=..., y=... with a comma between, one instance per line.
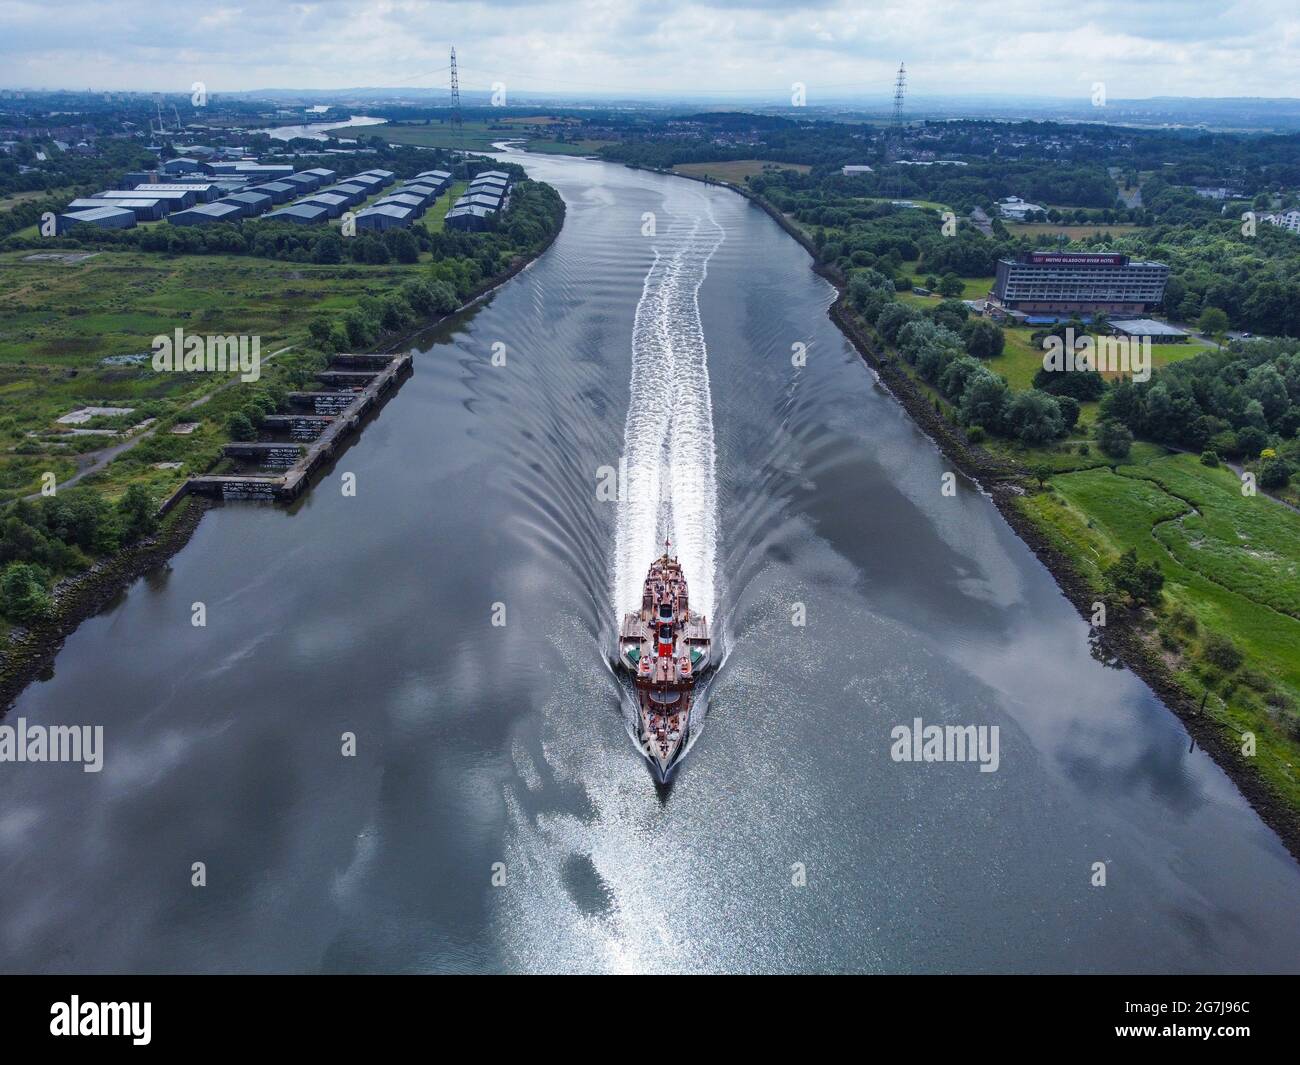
x=668, y=438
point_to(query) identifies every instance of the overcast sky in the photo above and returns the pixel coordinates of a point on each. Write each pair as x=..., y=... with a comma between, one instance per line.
x=729, y=49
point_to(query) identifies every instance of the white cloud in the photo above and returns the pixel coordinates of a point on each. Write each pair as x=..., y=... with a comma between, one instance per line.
x=730, y=48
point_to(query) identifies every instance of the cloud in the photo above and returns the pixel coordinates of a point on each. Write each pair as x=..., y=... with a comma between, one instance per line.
x=729, y=48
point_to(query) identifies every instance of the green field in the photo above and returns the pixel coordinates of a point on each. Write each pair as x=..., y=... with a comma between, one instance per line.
x=735, y=171
x=1231, y=562
x=432, y=220
x=58, y=321
x=546, y=146
x=972, y=288
x=473, y=137
x=1073, y=231
x=13, y=200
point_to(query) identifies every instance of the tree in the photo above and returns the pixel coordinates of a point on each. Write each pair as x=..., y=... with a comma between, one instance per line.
x=892, y=318
x=869, y=291
x=1139, y=581
x=23, y=594
x=1274, y=473
x=319, y=331
x=983, y=339
x=138, y=512
x=329, y=249
x=950, y=285
x=402, y=246
x=984, y=400
x=1034, y=418
x=239, y=427
x=1083, y=385
x=1069, y=411
x=1213, y=322
x=1114, y=439
x=1042, y=471
x=1251, y=440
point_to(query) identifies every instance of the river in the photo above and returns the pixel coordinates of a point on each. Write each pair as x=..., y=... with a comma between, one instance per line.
x=496, y=815
x=319, y=131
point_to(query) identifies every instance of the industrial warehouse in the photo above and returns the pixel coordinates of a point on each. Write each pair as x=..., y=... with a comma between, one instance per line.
x=487, y=194
x=1053, y=282
x=186, y=192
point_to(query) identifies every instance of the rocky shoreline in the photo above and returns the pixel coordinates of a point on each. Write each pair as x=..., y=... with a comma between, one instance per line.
x=31, y=651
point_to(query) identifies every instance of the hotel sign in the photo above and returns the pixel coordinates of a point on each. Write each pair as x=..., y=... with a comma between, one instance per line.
x=1056, y=258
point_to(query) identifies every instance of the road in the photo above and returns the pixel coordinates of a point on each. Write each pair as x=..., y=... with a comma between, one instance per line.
x=94, y=461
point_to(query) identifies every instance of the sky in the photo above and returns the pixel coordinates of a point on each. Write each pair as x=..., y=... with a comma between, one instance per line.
x=734, y=49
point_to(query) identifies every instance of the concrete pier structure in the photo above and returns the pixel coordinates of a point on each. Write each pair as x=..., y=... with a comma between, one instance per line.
x=328, y=421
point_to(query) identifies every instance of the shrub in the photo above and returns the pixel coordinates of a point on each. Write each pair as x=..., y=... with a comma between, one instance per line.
x=1220, y=651
x=1274, y=473
x=1114, y=439
x=239, y=427
x=1139, y=581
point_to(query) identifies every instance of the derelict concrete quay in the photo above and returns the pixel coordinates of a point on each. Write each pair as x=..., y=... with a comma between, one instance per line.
x=318, y=425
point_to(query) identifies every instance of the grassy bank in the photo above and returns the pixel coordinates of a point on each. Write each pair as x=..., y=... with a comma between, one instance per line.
x=1222, y=644
x=60, y=322
x=1232, y=569
x=737, y=171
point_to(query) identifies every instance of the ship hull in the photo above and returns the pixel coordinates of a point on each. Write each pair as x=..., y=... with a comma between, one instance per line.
x=664, y=738
x=666, y=649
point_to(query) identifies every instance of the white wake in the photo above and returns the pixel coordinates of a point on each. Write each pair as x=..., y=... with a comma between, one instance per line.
x=668, y=450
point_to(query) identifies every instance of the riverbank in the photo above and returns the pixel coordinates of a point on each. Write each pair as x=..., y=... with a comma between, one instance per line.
x=1130, y=640
x=32, y=649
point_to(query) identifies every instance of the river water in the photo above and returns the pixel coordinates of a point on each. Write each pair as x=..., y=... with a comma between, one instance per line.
x=790, y=839
x=319, y=131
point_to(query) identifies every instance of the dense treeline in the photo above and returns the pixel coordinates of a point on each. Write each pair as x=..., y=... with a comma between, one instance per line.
x=946, y=346
x=1254, y=280
x=1241, y=403
x=1068, y=164
x=71, y=173
x=461, y=263
x=63, y=169
x=40, y=541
